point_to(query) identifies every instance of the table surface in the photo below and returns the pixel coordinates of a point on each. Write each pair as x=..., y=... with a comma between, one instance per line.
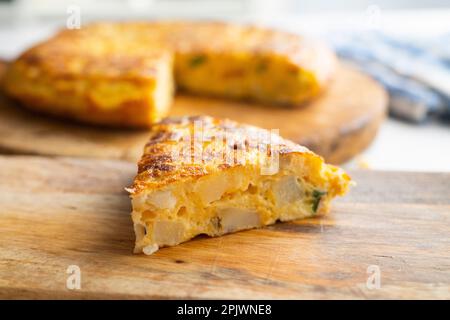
x=388, y=238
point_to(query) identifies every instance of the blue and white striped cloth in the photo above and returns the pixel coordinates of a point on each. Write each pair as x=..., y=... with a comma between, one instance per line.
x=415, y=73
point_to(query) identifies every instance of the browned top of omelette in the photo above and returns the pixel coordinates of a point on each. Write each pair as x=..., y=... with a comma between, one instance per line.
x=129, y=49
x=192, y=147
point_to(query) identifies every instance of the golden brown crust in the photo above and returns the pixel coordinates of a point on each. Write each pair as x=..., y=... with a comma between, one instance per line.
x=119, y=48
x=62, y=75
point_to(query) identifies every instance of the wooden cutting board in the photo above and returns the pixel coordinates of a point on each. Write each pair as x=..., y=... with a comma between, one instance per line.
x=57, y=212
x=338, y=125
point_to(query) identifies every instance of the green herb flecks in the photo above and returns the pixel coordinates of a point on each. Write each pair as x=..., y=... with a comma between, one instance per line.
x=261, y=67
x=217, y=223
x=197, y=60
x=317, y=196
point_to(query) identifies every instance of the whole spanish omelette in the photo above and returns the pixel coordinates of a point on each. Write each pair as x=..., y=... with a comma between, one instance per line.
x=124, y=74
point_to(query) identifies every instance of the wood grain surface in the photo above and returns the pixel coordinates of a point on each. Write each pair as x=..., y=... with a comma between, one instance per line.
x=338, y=125
x=56, y=212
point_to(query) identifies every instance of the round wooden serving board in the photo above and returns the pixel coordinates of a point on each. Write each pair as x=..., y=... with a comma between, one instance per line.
x=337, y=125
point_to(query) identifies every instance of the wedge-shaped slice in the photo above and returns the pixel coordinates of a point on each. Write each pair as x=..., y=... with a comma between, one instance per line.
x=200, y=175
